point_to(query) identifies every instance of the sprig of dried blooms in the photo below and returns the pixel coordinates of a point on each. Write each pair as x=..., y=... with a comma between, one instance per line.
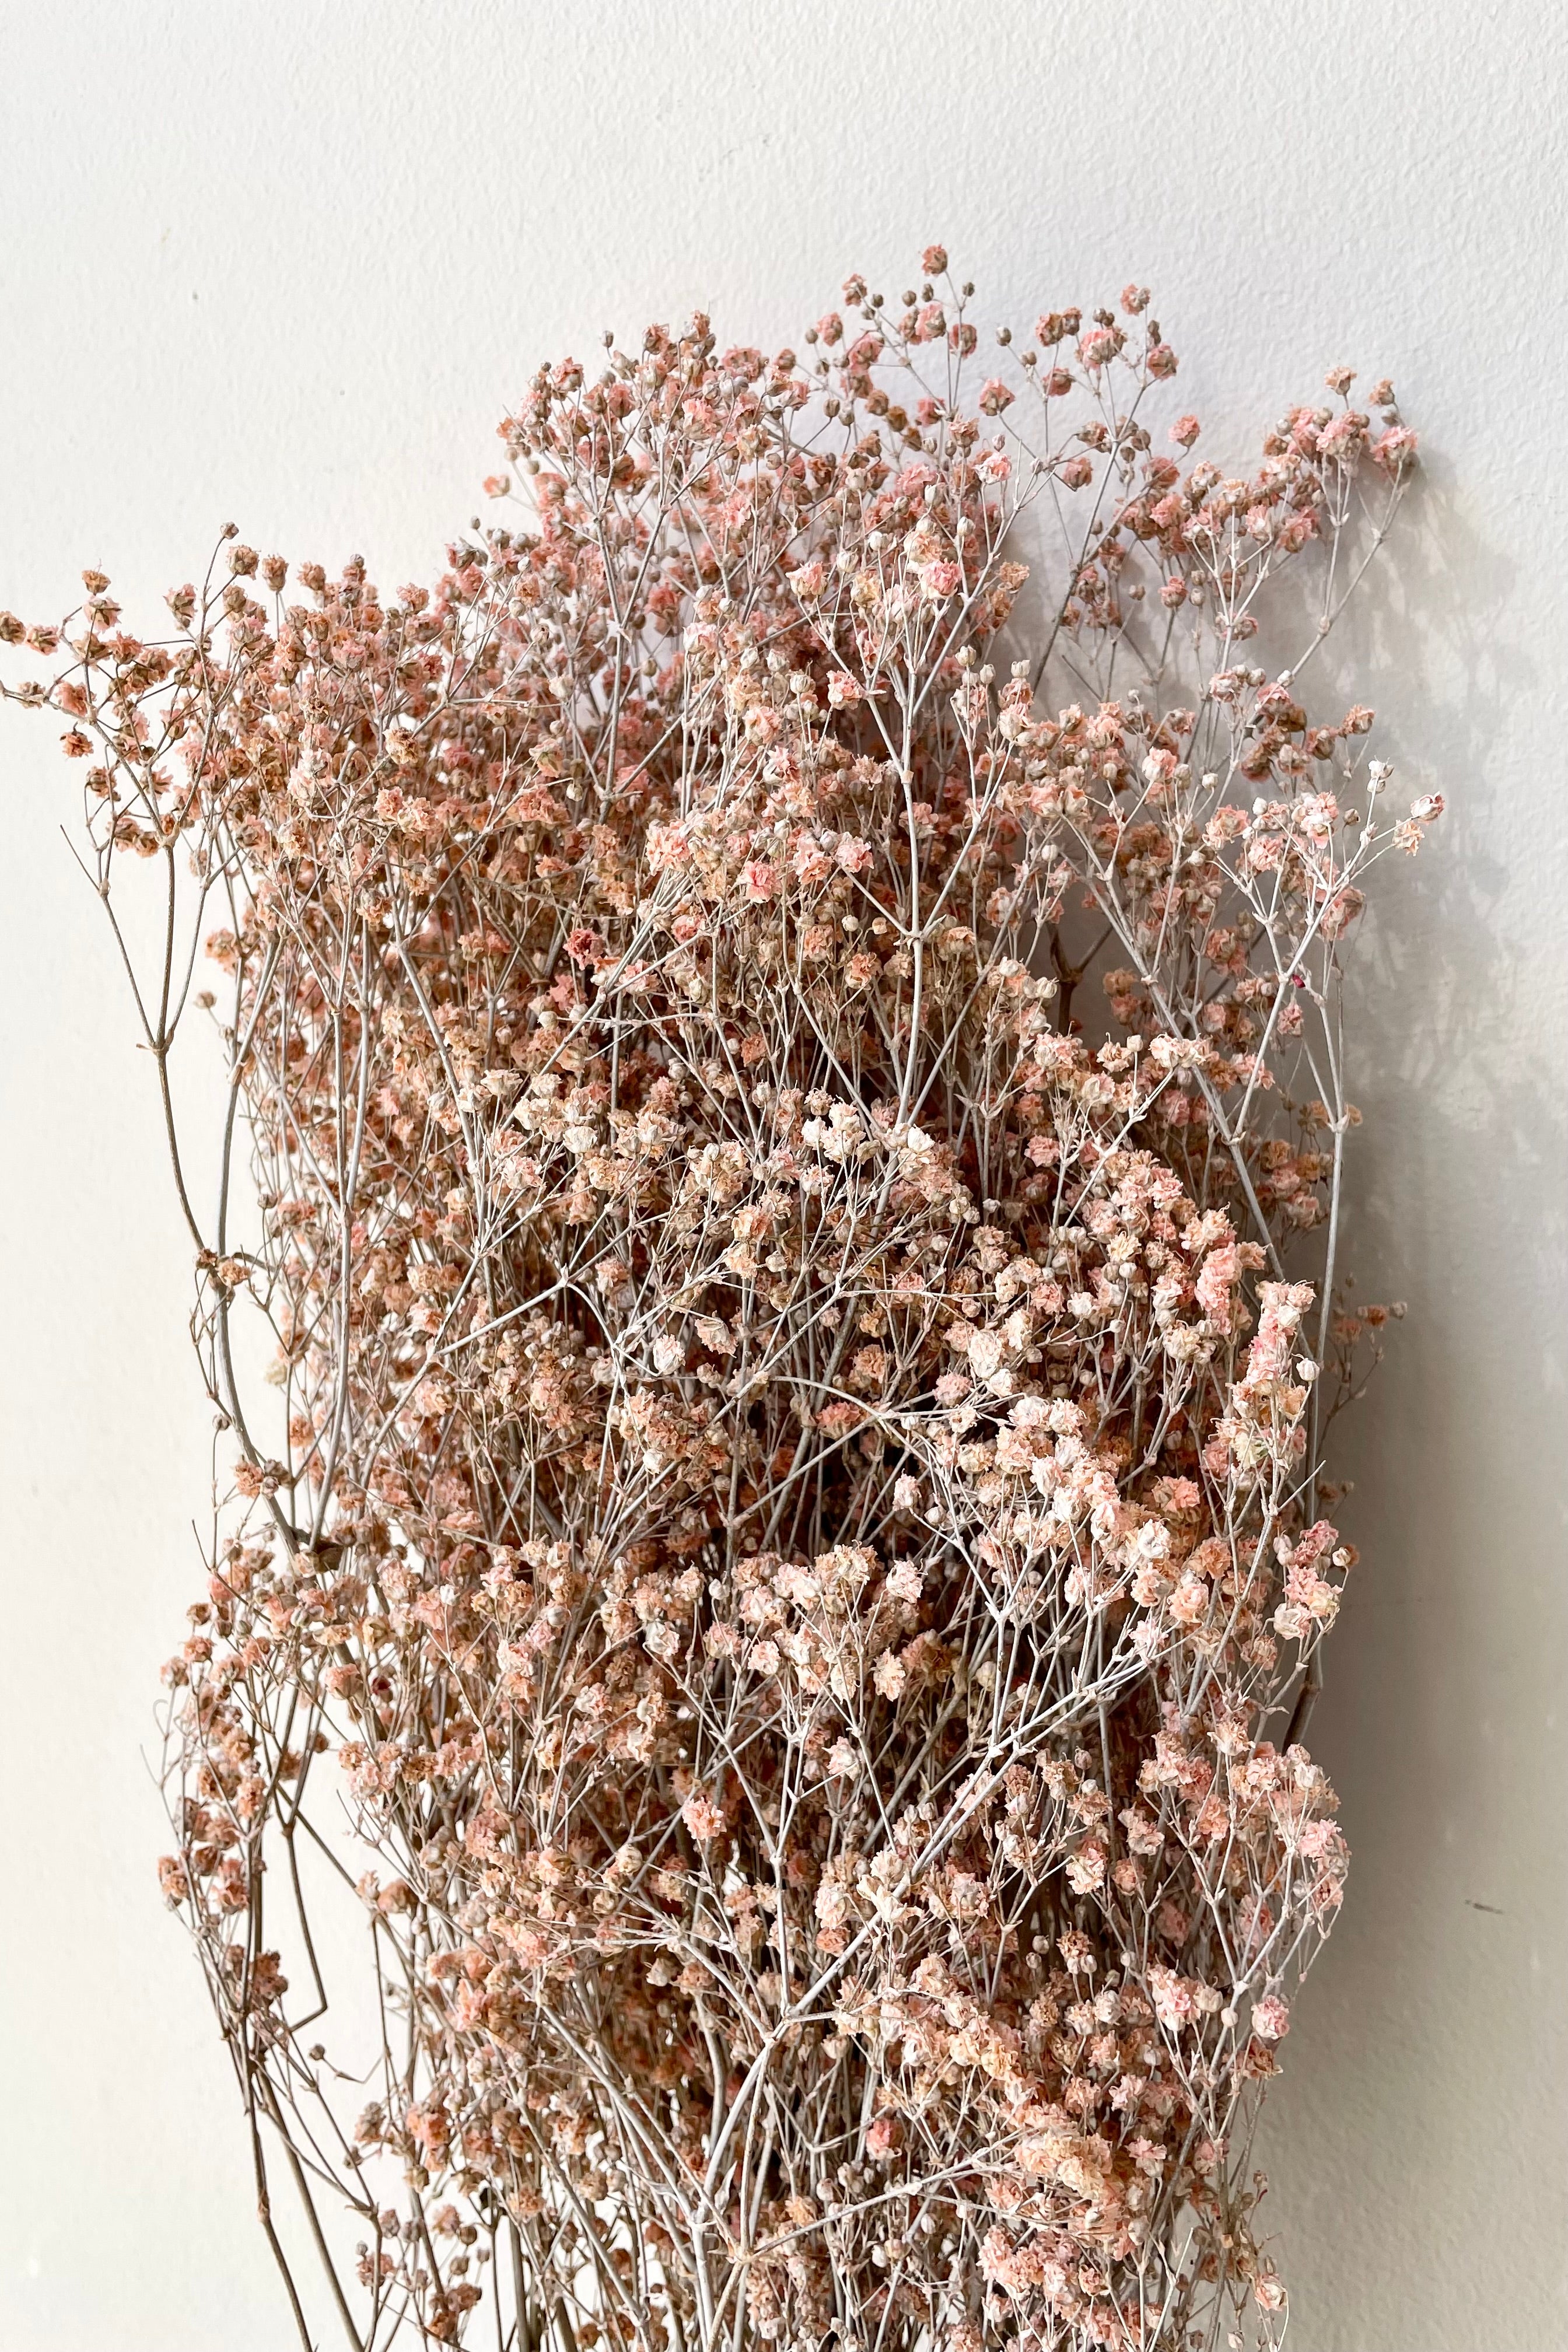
x=788, y=1580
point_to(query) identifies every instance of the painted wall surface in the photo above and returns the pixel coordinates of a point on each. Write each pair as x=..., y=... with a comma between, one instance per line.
x=288, y=267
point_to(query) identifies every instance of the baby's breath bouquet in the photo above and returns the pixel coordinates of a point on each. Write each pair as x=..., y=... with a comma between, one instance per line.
x=787, y=1122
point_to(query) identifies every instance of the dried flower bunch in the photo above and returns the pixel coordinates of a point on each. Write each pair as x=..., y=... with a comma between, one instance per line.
x=796, y=1163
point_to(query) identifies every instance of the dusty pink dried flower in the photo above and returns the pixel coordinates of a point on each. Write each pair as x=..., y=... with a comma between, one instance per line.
x=790, y=1510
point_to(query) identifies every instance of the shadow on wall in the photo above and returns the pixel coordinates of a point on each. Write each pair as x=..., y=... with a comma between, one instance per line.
x=1438, y=1722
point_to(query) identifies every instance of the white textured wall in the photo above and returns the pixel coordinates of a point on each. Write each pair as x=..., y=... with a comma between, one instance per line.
x=287, y=266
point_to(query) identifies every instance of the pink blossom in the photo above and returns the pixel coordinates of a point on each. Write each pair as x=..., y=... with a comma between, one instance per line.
x=786, y=1462
x=1270, y=2017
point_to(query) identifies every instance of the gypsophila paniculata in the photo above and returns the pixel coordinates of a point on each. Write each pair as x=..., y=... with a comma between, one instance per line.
x=795, y=1119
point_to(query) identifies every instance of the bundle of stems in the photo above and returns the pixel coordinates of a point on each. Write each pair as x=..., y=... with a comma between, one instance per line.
x=785, y=1124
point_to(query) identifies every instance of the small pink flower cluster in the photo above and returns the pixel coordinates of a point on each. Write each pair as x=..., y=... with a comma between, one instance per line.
x=788, y=1511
